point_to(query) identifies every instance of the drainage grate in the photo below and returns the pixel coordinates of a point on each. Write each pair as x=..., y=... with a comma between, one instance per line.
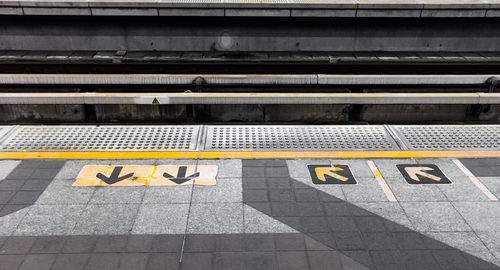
x=453, y=137
x=101, y=138
x=299, y=138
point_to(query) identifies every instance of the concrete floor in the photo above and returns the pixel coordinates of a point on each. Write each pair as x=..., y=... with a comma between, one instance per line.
x=261, y=214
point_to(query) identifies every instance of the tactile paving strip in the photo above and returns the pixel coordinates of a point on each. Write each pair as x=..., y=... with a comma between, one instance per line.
x=263, y=138
x=101, y=138
x=450, y=137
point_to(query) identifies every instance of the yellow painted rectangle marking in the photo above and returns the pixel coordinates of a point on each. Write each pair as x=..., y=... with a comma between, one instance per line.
x=146, y=175
x=158, y=178
x=208, y=173
x=89, y=175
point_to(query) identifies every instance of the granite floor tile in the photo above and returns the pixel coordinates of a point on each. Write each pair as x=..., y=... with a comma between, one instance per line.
x=161, y=219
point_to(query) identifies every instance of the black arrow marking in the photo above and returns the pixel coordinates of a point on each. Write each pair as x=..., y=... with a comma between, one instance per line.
x=115, y=176
x=181, y=176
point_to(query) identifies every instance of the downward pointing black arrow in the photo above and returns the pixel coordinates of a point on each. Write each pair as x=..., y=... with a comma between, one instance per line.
x=115, y=176
x=181, y=176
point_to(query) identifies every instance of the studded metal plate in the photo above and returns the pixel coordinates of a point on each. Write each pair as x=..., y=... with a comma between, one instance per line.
x=450, y=137
x=101, y=138
x=233, y=138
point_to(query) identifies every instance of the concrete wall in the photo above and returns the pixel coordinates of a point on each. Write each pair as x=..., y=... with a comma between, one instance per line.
x=248, y=34
x=247, y=114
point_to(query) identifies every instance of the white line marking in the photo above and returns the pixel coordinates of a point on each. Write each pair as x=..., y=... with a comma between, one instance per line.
x=475, y=181
x=381, y=181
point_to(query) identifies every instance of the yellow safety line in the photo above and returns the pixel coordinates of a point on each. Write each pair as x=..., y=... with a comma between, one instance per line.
x=249, y=154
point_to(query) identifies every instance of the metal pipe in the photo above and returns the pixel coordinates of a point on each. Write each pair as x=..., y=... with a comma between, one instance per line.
x=250, y=98
x=241, y=79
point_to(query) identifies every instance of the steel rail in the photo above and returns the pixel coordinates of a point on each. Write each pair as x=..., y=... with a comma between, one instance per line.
x=249, y=98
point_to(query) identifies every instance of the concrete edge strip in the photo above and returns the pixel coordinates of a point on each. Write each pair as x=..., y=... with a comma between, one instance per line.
x=249, y=98
x=381, y=181
x=359, y=154
x=475, y=180
x=393, y=133
x=5, y=131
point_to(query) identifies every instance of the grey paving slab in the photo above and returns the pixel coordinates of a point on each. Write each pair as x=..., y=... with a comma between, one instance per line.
x=492, y=183
x=226, y=190
x=8, y=209
x=482, y=167
x=6, y=166
x=227, y=168
x=9, y=223
x=25, y=197
x=103, y=261
x=50, y=220
x=61, y=192
x=393, y=212
x=11, y=261
x=106, y=219
x=17, y=245
x=216, y=218
x=462, y=188
x=434, y=216
x=335, y=192
x=367, y=190
x=72, y=168
x=161, y=219
x=159, y=261
x=405, y=192
x=167, y=243
x=491, y=239
x=467, y=242
x=167, y=195
x=38, y=262
x=80, y=244
x=258, y=222
x=122, y=195
x=481, y=216
x=70, y=261
x=48, y=244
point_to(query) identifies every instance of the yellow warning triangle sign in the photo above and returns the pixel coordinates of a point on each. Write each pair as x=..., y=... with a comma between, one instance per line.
x=155, y=101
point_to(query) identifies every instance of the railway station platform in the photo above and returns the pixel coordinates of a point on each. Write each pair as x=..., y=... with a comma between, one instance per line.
x=250, y=197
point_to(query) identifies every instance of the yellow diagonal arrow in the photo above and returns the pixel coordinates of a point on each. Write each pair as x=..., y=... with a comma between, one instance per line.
x=414, y=172
x=322, y=172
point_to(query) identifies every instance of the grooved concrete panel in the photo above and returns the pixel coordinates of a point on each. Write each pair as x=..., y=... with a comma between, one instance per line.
x=450, y=137
x=298, y=138
x=101, y=138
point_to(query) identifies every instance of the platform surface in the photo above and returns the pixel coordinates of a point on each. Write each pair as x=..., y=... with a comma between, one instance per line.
x=261, y=214
x=240, y=213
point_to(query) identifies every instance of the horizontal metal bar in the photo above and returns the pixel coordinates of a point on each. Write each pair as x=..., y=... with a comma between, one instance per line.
x=404, y=79
x=250, y=98
x=239, y=79
x=154, y=79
